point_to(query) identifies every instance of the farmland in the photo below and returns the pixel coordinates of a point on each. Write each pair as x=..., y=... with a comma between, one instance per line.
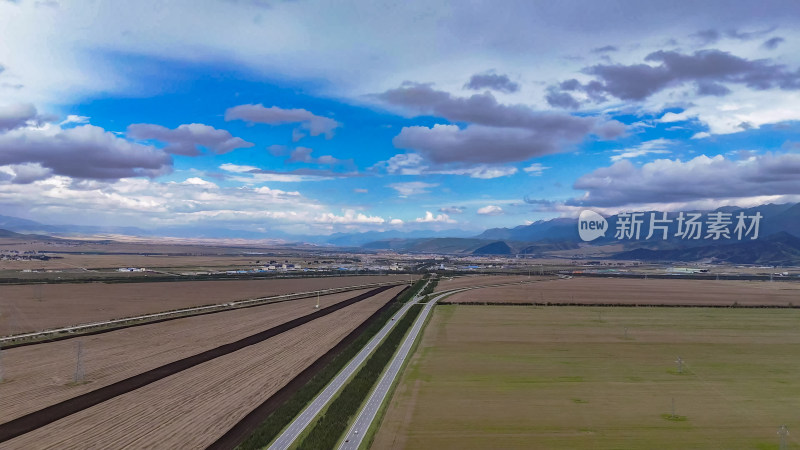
x=630, y=291
x=592, y=377
x=448, y=283
x=194, y=407
x=41, y=306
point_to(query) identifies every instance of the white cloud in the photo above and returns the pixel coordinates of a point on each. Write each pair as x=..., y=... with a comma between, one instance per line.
x=72, y=118
x=645, y=148
x=395, y=222
x=197, y=181
x=490, y=210
x=430, y=218
x=349, y=217
x=481, y=171
x=535, y=169
x=452, y=210
x=403, y=164
x=412, y=188
x=236, y=168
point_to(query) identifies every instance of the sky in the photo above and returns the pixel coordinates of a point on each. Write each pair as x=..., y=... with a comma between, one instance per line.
x=318, y=117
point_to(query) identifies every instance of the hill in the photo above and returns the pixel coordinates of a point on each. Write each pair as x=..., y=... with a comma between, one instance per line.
x=777, y=249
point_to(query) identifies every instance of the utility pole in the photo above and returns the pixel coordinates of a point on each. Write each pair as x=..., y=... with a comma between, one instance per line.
x=680, y=364
x=783, y=431
x=317, y=305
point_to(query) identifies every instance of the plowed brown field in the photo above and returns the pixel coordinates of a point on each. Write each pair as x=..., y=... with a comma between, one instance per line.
x=625, y=291
x=38, y=307
x=446, y=283
x=41, y=375
x=193, y=408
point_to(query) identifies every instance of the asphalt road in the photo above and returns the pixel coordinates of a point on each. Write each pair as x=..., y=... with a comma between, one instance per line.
x=304, y=419
x=355, y=435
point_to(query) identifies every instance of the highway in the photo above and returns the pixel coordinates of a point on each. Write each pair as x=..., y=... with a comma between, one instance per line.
x=356, y=433
x=294, y=429
x=367, y=414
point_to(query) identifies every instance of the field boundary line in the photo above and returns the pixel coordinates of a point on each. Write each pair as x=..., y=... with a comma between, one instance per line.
x=40, y=337
x=52, y=413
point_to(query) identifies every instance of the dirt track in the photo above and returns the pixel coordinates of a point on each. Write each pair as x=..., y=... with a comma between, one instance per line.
x=625, y=291
x=38, y=307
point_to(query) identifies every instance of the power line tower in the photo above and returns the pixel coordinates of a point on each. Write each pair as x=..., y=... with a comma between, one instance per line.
x=783, y=432
x=679, y=361
x=79, y=371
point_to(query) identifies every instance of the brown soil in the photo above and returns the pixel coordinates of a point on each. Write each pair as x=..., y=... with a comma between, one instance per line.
x=41, y=375
x=624, y=291
x=447, y=283
x=193, y=408
x=38, y=307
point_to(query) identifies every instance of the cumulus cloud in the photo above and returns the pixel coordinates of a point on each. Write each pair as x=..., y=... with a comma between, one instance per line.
x=430, y=218
x=446, y=144
x=484, y=109
x=500, y=83
x=16, y=115
x=84, y=151
x=703, y=177
x=349, y=217
x=314, y=124
x=189, y=139
x=490, y=210
x=708, y=68
x=496, y=133
x=412, y=188
x=414, y=164
x=24, y=173
x=645, y=148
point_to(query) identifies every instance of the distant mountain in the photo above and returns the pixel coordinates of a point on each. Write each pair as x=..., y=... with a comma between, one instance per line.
x=28, y=237
x=495, y=248
x=553, y=229
x=780, y=248
x=775, y=219
x=359, y=239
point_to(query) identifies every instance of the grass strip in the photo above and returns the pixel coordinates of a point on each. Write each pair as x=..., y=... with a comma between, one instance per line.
x=410, y=293
x=329, y=428
x=283, y=416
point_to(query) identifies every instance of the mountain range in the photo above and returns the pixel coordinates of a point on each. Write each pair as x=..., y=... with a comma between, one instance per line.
x=778, y=242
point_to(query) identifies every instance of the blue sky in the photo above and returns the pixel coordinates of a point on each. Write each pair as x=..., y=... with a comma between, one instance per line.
x=319, y=117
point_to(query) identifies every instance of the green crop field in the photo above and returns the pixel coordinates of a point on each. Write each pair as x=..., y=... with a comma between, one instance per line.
x=582, y=377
